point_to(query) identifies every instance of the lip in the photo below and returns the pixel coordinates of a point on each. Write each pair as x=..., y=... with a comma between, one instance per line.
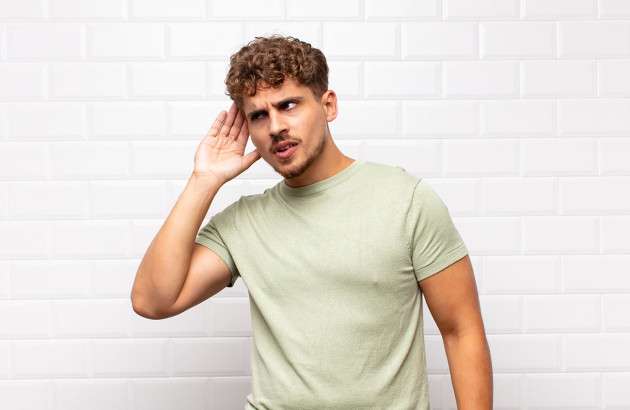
x=289, y=148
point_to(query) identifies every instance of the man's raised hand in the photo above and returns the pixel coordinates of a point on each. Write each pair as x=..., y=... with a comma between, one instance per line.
x=221, y=153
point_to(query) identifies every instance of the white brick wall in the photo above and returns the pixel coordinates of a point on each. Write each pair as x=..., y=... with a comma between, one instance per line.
x=516, y=111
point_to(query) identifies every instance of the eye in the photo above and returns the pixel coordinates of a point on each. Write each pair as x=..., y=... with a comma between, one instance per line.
x=256, y=116
x=289, y=105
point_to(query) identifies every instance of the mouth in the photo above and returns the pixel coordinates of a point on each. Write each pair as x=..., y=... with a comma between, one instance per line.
x=284, y=149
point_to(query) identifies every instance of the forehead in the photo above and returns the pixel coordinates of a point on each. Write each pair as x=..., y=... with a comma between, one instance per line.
x=266, y=96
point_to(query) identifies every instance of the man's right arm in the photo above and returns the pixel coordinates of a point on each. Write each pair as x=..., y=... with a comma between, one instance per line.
x=175, y=273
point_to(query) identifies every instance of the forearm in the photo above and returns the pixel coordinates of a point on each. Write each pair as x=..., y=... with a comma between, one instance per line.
x=471, y=370
x=163, y=270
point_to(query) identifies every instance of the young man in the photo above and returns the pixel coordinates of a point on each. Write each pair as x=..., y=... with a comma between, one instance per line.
x=336, y=257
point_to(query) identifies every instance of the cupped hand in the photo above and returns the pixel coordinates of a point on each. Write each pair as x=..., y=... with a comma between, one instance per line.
x=221, y=153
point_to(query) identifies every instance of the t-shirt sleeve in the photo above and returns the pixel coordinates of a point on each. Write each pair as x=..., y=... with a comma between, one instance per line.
x=210, y=237
x=436, y=243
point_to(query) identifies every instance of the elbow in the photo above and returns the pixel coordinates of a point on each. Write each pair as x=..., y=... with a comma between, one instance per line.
x=144, y=309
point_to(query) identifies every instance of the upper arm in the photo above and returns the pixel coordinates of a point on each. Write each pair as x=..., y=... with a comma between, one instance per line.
x=452, y=298
x=207, y=275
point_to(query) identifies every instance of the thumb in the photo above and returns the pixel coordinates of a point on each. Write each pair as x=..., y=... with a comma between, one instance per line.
x=250, y=158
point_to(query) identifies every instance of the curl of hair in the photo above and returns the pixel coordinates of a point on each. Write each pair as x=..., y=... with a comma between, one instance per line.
x=267, y=61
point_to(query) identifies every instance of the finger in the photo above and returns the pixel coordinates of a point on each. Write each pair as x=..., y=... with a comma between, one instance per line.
x=244, y=134
x=250, y=158
x=216, y=125
x=229, y=121
x=238, y=124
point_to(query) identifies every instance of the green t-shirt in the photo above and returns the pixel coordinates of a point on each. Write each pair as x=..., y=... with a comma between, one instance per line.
x=332, y=271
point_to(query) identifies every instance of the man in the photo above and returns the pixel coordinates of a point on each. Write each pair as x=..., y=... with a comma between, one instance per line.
x=335, y=257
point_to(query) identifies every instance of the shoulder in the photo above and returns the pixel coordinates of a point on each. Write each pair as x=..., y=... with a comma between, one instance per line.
x=391, y=174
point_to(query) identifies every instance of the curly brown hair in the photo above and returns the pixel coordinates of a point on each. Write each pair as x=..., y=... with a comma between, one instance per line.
x=267, y=61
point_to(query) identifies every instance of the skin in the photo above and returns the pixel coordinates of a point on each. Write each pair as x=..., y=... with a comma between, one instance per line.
x=177, y=274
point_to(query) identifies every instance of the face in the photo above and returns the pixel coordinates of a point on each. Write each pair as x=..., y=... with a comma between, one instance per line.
x=289, y=127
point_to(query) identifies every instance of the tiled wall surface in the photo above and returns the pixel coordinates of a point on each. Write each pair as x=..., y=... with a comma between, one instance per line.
x=516, y=111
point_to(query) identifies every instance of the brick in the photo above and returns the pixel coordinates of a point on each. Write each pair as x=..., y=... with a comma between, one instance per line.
x=562, y=313
x=541, y=157
x=481, y=158
x=615, y=310
x=55, y=121
x=191, y=323
x=37, y=200
x=614, y=9
x=329, y=9
x=215, y=81
x=127, y=199
x=111, y=278
x=24, y=319
x=168, y=79
x=604, y=195
x=249, y=9
x=602, y=117
x=24, y=240
x=23, y=10
x=402, y=79
x=519, y=196
x=614, y=390
x=612, y=78
x=559, y=9
x=614, y=237
x=4, y=200
x=82, y=239
x=127, y=120
x=508, y=391
x=230, y=317
x=192, y=118
x=24, y=160
x=481, y=9
x=164, y=9
x=360, y=40
x=595, y=274
x=567, y=235
x=345, y=78
x=375, y=9
x=558, y=78
x=128, y=357
x=435, y=355
x=460, y=195
x=142, y=234
x=50, y=358
x=443, y=40
x=605, y=352
x=49, y=279
x=362, y=118
x=126, y=40
x=594, y=39
x=4, y=280
x=434, y=118
x=91, y=318
x=26, y=394
x=305, y=31
x=562, y=390
x=91, y=394
x=22, y=81
x=87, y=9
x=527, y=118
x=490, y=236
x=502, y=314
x=521, y=274
x=229, y=392
x=480, y=79
x=204, y=40
x=76, y=80
x=5, y=360
x=3, y=112
x=44, y=41
x=415, y=156
x=87, y=160
x=170, y=394
x=536, y=353
x=163, y=159
x=211, y=357
x=517, y=40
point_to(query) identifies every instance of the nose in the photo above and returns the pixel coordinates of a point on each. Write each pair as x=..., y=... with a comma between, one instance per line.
x=277, y=125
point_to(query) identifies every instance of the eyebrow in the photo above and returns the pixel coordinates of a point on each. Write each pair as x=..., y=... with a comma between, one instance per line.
x=276, y=105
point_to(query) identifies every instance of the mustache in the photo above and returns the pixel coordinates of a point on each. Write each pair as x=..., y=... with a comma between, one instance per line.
x=283, y=137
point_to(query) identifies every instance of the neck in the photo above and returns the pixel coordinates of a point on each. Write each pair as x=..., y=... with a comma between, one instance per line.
x=328, y=164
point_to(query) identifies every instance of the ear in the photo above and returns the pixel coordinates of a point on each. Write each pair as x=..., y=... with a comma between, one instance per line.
x=329, y=103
